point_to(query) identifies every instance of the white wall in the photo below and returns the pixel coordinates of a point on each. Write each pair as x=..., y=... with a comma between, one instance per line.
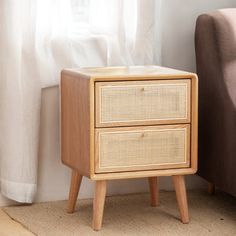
x=178, y=22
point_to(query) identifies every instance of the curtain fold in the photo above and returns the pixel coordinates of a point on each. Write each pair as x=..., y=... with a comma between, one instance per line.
x=19, y=100
x=37, y=41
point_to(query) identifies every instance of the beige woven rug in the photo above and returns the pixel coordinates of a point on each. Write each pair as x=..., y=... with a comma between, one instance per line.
x=131, y=215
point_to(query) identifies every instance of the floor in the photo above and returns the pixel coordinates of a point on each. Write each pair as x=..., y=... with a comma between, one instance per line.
x=9, y=227
x=129, y=215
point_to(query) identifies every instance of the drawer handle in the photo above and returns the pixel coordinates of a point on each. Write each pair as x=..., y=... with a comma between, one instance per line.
x=146, y=89
x=143, y=135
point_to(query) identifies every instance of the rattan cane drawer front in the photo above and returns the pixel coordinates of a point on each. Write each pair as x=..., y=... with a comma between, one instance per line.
x=142, y=148
x=142, y=102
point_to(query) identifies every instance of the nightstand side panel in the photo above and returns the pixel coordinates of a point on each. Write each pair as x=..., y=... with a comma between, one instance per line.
x=75, y=122
x=194, y=123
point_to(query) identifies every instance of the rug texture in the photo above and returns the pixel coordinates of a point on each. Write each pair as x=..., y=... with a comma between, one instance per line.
x=132, y=215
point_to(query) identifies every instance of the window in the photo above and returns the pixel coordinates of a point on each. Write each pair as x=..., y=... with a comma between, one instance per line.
x=80, y=16
x=103, y=17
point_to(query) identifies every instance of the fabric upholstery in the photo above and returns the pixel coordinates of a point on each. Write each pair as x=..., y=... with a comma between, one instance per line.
x=215, y=42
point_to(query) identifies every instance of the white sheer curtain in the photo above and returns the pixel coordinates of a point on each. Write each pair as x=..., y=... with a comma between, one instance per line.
x=40, y=37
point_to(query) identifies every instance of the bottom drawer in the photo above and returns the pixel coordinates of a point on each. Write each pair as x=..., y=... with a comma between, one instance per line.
x=142, y=148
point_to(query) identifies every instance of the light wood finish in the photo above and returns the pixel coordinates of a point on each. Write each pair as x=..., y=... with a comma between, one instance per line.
x=92, y=125
x=142, y=148
x=211, y=188
x=142, y=102
x=75, y=122
x=181, y=196
x=194, y=123
x=154, y=191
x=142, y=174
x=93, y=143
x=76, y=179
x=98, y=204
x=130, y=73
x=74, y=90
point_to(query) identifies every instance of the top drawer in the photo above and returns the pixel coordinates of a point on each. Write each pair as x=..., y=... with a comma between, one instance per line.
x=142, y=102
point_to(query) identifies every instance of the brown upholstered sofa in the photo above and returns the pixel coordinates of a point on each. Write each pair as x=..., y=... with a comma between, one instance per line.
x=215, y=41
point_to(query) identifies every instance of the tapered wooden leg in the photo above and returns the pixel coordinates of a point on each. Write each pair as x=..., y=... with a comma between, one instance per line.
x=181, y=195
x=98, y=203
x=211, y=188
x=76, y=179
x=154, y=191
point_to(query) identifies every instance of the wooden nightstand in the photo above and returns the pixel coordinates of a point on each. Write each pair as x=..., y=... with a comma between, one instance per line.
x=128, y=122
